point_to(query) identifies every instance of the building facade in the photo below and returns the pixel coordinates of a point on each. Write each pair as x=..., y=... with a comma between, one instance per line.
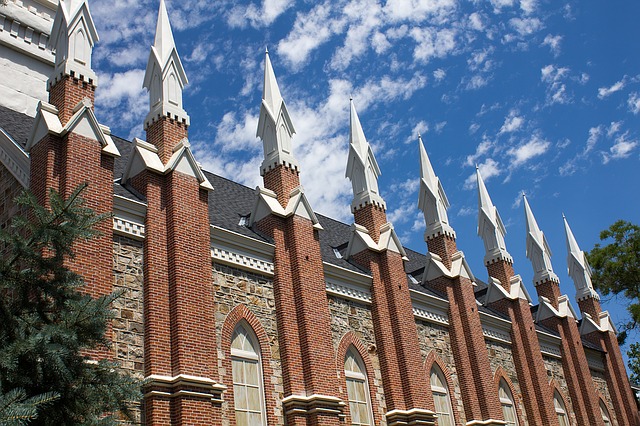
x=244, y=307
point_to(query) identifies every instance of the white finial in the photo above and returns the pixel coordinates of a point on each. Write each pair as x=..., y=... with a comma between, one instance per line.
x=538, y=250
x=275, y=127
x=578, y=267
x=165, y=77
x=362, y=167
x=73, y=36
x=490, y=226
x=432, y=199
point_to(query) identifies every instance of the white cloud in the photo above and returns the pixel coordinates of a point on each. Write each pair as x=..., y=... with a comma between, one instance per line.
x=476, y=21
x=466, y=211
x=380, y=42
x=364, y=17
x=592, y=140
x=621, y=148
x=614, y=128
x=512, y=123
x=310, y=30
x=432, y=43
x=488, y=170
x=553, y=42
x=556, y=88
x=634, y=102
x=440, y=74
x=603, y=92
x=525, y=26
x=528, y=6
x=535, y=147
x=418, y=10
x=476, y=82
x=122, y=99
x=483, y=148
x=498, y=5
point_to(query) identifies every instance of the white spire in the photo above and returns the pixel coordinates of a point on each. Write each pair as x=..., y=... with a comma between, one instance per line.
x=275, y=127
x=362, y=167
x=73, y=36
x=578, y=267
x=165, y=77
x=432, y=200
x=538, y=250
x=490, y=226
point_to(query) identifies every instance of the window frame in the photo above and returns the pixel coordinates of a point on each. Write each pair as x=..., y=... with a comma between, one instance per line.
x=358, y=377
x=561, y=408
x=509, y=401
x=443, y=391
x=243, y=355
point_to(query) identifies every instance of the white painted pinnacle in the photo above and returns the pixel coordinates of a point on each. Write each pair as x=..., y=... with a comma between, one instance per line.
x=275, y=127
x=578, y=267
x=165, y=77
x=490, y=226
x=432, y=199
x=538, y=250
x=73, y=36
x=362, y=167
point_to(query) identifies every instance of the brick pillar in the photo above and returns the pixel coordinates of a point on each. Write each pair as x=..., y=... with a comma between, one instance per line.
x=582, y=390
x=180, y=348
x=302, y=312
x=478, y=389
x=525, y=347
x=405, y=385
x=622, y=398
x=63, y=164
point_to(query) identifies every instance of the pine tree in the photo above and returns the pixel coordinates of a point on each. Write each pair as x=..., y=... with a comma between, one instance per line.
x=47, y=323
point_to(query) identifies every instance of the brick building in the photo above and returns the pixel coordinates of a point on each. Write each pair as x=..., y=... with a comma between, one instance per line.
x=244, y=307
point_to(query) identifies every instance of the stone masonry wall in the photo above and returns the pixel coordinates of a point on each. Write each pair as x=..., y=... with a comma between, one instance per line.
x=603, y=391
x=346, y=316
x=555, y=373
x=233, y=287
x=435, y=337
x=500, y=356
x=128, y=329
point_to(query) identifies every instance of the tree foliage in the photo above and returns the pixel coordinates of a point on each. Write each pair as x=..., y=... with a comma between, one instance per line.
x=616, y=268
x=47, y=323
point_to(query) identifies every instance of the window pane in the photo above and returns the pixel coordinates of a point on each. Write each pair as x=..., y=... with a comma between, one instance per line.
x=240, y=397
x=253, y=399
x=357, y=390
x=364, y=414
x=251, y=373
x=355, y=413
x=247, y=380
x=241, y=419
x=237, y=368
x=562, y=419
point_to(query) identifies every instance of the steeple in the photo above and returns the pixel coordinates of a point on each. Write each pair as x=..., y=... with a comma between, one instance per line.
x=73, y=36
x=165, y=77
x=490, y=226
x=578, y=267
x=538, y=250
x=362, y=167
x=432, y=199
x=275, y=127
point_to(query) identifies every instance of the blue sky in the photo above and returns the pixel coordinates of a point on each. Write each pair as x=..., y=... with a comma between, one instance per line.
x=544, y=95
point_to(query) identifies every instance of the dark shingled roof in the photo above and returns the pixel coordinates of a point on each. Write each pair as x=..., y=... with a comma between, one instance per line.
x=16, y=124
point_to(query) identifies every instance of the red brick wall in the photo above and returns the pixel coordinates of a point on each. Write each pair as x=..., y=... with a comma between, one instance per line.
x=527, y=355
x=550, y=290
x=282, y=180
x=467, y=340
x=592, y=307
x=67, y=93
x=371, y=217
x=164, y=134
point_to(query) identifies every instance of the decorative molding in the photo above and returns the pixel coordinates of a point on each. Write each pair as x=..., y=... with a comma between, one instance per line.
x=594, y=360
x=298, y=404
x=430, y=308
x=346, y=291
x=414, y=416
x=128, y=228
x=494, y=328
x=128, y=217
x=183, y=385
x=26, y=33
x=14, y=158
x=549, y=344
x=240, y=251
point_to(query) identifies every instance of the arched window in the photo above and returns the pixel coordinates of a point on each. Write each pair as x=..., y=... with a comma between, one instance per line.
x=248, y=392
x=441, y=397
x=561, y=410
x=357, y=389
x=605, y=414
x=508, y=406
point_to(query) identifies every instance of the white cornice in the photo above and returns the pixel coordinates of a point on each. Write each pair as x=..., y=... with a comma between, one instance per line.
x=549, y=344
x=594, y=359
x=14, y=158
x=23, y=38
x=241, y=251
x=495, y=328
x=128, y=217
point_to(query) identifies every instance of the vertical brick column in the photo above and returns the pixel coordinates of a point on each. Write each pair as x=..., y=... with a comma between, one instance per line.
x=479, y=392
x=617, y=381
x=302, y=311
x=405, y=385
x=527, y=356
x=180, y=349
x=64, y=163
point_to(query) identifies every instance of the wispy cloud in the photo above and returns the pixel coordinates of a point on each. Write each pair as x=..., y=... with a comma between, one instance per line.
x=622, y=147
x=257, y=16
x=604, y=92
x=489, y=169
x=553, y=42
x=555, y=78
x=512, y=123
x=634, y=102
x=535, y=147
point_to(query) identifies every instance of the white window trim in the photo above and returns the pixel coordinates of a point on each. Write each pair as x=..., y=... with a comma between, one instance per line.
x=361, y=377
x=441, y=390
x=509, y=402
x=252, y=356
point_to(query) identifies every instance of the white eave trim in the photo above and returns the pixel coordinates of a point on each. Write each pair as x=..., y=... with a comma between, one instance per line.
x=129, y=217
x=242, y=252
x=14, y=158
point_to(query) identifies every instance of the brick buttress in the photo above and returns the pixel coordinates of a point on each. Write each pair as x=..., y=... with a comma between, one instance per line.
x=525, y=346
x=582, y=390
x=302, y=312
x=65, y=162
x=624, y=404
x=406, y=387
x=179, y=340
x=467, y=340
